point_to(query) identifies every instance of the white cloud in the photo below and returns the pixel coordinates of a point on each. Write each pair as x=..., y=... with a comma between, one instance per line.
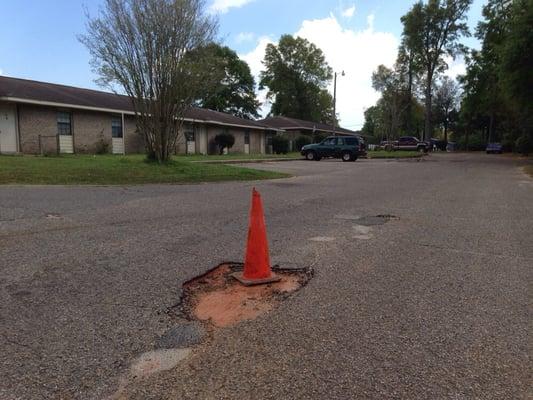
x=455, y=67
x=223, y=6
x=244, y=37
x=348, y=12
x=1, y=71
x=356, y=52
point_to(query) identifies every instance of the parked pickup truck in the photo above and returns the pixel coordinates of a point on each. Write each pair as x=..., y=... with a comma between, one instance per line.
x=406, y=143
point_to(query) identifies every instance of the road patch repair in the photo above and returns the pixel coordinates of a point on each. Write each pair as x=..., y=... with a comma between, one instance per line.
x=362, y=228
x=222, y=297
x=220, y=300
x=233, y=292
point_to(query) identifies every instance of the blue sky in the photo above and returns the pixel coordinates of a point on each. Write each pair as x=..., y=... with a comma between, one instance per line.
x=39, y=39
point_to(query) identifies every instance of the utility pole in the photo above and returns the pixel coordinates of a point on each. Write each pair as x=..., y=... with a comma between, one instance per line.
x=335, y=102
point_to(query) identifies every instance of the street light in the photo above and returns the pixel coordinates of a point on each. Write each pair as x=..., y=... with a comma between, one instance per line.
x=335, y=102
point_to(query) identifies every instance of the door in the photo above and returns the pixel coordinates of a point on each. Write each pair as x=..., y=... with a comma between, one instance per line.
x=191, y=142
x=8, y=129
x=117, y=135
x=325, y=149
x=337, y=149
x=64, y=131
x=247, y=141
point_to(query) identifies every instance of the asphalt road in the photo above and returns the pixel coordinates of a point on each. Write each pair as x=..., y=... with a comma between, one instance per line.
x=432, y=305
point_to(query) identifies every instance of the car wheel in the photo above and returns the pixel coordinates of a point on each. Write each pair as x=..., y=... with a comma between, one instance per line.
x=310, y=156
x=346, y=156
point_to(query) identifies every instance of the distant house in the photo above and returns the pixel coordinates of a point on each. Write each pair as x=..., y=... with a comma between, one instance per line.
x=296, y=127
x=38, y=117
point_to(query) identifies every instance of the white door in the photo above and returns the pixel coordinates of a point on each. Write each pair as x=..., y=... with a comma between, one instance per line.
x=8, y=129
x=66, y=144
x=117, y=145
x=246, y=148
x=191, y=147
x=190, y=137
x=202, y=137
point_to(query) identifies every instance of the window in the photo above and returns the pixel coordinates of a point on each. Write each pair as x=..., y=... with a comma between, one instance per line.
x=116, y=127
x=247, y=136
x=189, y=135
x=350, y=141
x=64, y=125
x=340, y=142
x=329, y=142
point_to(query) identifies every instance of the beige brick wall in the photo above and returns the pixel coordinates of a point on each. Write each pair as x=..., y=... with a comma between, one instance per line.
x=91, y=128
x=92, y=131
x=238, y=134
x=133, y=140
x=256, y=142
x=35, y=121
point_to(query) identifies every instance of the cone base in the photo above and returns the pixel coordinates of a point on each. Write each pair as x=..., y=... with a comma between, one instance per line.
x=252, y=282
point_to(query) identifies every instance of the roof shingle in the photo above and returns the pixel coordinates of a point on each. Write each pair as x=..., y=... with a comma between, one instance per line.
x=28, y=90
x=287, y=123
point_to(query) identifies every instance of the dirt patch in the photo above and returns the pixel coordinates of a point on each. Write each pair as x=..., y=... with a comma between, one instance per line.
x=220, y=300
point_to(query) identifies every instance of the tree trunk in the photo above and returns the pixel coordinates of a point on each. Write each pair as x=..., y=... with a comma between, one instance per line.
x=427, y=111
x=410, y=96
x=491, y=127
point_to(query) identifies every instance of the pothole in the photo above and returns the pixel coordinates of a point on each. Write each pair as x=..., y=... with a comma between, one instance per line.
x=373, y=220
x=220, y=300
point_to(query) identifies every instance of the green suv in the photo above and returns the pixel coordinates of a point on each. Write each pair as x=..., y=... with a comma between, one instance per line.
x=343, y=147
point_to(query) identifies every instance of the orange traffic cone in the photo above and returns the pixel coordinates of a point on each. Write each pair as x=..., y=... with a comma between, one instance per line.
x=257, y=263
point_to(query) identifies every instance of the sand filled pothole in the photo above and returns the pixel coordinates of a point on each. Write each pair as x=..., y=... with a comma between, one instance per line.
x=219, y=299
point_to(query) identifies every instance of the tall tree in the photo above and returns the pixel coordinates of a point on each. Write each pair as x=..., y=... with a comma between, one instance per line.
x=394, y=99
x=432, y=31
x=296, y=74
x=446, y=102
x=233, y=89
x=516, y=55
x=144, y=47
x=488, y=108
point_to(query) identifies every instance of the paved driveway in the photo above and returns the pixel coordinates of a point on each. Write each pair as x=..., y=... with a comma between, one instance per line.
x=431, y=305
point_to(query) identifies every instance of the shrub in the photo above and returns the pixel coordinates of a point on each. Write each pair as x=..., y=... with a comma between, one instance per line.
x=301, y=141
x=318, y=137
x=280, y=144
x=475, y=143
x=224, y=140
x=524, y=145
x=102, y=146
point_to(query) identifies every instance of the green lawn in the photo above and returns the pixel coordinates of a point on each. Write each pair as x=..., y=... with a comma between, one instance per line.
x=118, y=170
x=237, y=156
x=394, y=154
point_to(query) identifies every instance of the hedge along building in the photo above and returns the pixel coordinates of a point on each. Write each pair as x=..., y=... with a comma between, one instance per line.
x=40, y=118
x=296, y=127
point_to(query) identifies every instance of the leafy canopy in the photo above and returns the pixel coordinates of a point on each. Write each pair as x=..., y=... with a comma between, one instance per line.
x=297, y=74
x=233, y=86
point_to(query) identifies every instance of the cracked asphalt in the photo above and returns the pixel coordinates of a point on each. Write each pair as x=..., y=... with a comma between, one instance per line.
x=432, y=305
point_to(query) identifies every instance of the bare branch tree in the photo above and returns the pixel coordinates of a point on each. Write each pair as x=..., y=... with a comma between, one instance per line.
x=146, y=47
